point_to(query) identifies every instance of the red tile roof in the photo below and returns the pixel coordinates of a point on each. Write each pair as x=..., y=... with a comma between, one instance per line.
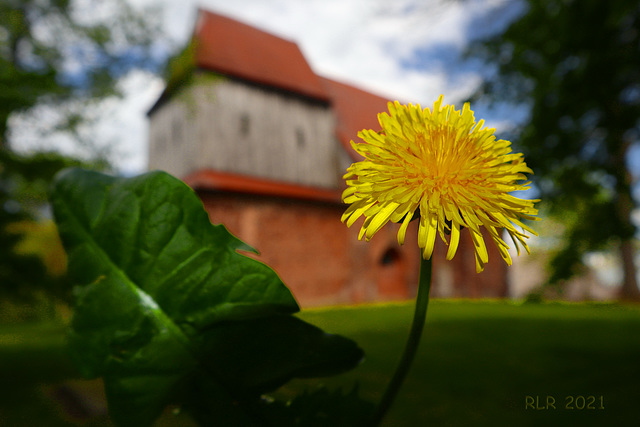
x=240, y=50
x=206, y=179
x=355, y=110
x=232, y=48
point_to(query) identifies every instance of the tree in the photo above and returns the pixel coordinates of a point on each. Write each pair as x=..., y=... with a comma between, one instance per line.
x=24, y=184
x=61, y=53
x=52, y=51
x=576, y=65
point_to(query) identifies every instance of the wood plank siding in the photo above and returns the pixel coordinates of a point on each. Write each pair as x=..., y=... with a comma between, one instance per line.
x=231, y=126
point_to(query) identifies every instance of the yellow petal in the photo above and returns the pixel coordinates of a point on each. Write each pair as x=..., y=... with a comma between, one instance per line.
x=454, y=241
x=380, y=219
x=449, y=166
x=480, y=247
x=431, y=236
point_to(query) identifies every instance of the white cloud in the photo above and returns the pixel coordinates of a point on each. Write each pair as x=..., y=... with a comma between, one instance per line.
x=128, y=128
x=117, y=127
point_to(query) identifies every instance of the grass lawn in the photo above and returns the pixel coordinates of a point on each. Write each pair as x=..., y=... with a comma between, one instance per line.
x=479, y=361
x=479, y=364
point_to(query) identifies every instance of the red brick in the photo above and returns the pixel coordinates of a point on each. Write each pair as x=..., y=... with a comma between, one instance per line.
x=323, y=262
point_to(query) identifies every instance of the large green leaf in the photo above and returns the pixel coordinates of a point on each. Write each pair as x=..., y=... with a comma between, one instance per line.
x=153, y=231
x=259, y=355
x=166, y=304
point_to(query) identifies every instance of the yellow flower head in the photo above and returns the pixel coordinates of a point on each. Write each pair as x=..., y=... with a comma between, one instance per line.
x=448, y=166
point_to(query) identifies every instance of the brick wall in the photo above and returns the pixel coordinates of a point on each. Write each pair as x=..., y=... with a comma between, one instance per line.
x=323, y=262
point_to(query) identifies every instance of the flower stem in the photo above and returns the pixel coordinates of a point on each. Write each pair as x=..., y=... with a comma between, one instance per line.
x=419, y=317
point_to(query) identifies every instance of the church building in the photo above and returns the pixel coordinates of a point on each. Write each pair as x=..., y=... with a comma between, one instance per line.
x=264, y=141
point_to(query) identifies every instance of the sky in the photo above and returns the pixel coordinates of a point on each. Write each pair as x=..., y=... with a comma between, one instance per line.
x=408, y=50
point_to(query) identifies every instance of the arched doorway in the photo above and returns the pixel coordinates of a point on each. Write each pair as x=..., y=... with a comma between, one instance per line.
x=391, y=275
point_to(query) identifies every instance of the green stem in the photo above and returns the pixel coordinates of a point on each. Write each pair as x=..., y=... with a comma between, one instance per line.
x=419, y=317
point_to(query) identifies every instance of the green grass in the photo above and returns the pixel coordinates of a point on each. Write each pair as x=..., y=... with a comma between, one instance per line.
x=477, y=363
x=32, y=356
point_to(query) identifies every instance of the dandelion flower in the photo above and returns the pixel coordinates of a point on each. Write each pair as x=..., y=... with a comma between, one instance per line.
x=443, y=165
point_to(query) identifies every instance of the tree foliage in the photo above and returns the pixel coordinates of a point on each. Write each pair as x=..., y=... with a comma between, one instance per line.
x=55, y=50
x=24, y=184
x=576, y=65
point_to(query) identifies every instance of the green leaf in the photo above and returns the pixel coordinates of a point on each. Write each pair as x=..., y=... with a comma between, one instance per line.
x=167, y=305
x=152, y=231
x=123, y=335
x=259, y=355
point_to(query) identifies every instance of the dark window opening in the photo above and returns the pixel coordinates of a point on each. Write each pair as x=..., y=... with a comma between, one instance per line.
x=245, y=125
x=300, y=140
x=391, y=256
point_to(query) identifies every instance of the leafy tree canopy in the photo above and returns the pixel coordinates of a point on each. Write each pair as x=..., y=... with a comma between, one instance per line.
x=56, y=50
x=576, y=64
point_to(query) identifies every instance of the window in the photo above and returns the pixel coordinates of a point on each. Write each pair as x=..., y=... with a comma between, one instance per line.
x=245, y=125
x=390, y=257
x=300, y=140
